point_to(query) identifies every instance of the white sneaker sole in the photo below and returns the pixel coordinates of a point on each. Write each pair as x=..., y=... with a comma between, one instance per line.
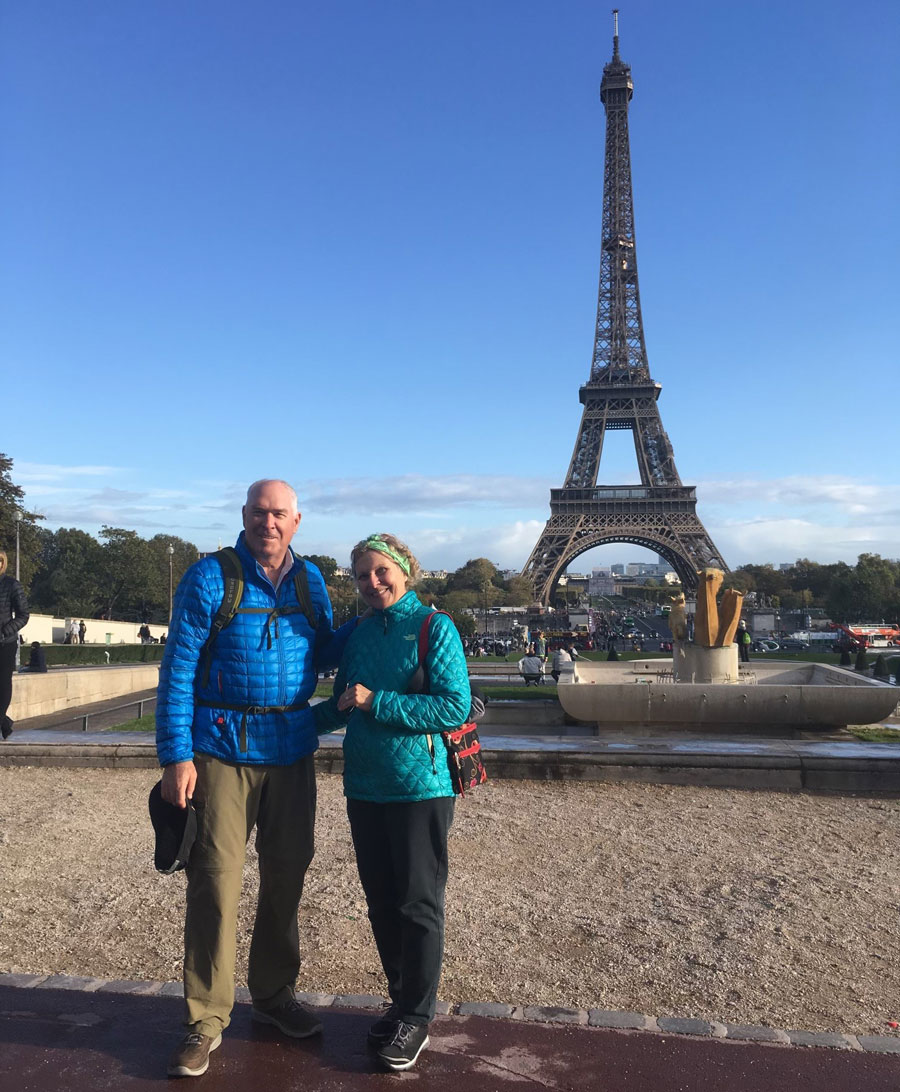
x=183, y=1071
x=399, y=1066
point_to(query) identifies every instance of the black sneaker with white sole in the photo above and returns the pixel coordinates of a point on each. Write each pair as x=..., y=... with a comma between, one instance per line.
x=405, y=1046
x=382, y=1031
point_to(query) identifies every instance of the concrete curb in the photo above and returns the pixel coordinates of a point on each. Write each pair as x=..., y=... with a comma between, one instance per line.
x=543, y=1014
x=799, y=767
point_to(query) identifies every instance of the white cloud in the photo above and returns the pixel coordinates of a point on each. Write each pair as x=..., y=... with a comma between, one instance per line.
x=29, y=473
x=842, y=494
x=420, y=493
x=448, y=519
x=763, y=540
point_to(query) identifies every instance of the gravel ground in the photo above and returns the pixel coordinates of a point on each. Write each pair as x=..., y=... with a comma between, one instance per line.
x=743, y=906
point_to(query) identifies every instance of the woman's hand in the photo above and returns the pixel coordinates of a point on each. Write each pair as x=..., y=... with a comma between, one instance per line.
x=355, y=697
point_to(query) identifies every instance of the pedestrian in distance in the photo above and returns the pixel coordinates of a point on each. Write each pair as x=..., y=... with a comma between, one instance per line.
x=400, y=798
x=743, y=640
x=531, y=668
x=235, y=736
x=560, y=657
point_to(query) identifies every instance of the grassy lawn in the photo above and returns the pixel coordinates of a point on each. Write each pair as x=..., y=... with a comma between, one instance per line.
x=140, y=724
x=875, y=734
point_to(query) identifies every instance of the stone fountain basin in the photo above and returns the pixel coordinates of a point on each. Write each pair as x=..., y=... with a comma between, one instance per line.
x=803, y=695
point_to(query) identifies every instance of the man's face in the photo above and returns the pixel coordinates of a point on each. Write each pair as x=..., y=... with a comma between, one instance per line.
x=269, y=523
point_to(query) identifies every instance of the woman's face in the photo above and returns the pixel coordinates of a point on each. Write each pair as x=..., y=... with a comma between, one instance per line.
x=381, y=582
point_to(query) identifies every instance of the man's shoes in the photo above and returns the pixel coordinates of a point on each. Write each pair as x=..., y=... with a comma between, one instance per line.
x=382, y=1031
x=406, y=1044
x=6, y=727
x=291, y=1018
x=191, y=1059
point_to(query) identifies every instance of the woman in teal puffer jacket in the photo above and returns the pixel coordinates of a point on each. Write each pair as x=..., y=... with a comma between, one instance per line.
x=397, y=782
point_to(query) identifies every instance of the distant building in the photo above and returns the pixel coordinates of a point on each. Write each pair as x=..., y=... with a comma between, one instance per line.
x=602, y=582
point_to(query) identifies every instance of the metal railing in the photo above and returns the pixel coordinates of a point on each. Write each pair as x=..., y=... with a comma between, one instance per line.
x=100, y=719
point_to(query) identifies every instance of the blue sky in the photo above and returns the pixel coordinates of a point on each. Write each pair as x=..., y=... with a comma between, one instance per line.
x=356, y=245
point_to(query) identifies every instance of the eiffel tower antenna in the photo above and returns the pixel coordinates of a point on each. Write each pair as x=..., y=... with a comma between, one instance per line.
x=660, y=513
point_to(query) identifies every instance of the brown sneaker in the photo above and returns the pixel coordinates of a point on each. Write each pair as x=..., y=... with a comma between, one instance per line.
x=291, y=1018
x=191, y=1059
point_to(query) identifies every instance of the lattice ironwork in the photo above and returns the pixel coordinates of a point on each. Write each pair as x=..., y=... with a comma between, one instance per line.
x=660, y=514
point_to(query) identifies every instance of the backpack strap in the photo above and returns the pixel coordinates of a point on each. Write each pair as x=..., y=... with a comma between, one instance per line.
x=304, y=598
x=233, y=575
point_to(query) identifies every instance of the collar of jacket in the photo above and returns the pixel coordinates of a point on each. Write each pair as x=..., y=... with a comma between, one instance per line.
x=250, y=563
x=403, y=608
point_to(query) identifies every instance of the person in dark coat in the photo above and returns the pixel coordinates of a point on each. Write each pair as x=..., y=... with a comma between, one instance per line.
x=37, y=661
x=13, y=616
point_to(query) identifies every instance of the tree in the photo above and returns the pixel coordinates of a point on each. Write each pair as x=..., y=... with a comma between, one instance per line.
x=67, y=580
x=126, y=574
x=344, y=599
x=12, y=498
x=474, y=574
x=519, y=592
x=811, y=575
x=455, y=602
x=327, y=566
x=875, y=584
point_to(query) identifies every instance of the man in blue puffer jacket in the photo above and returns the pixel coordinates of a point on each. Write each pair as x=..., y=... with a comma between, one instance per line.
x=236, y=737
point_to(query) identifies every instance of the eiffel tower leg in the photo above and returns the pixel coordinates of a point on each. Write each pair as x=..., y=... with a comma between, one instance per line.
x=677, y=536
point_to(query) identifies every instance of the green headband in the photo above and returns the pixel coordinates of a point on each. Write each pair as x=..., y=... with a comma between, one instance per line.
x=373, y=542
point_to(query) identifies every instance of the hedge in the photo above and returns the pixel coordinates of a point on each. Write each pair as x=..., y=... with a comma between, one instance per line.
x=73, y=655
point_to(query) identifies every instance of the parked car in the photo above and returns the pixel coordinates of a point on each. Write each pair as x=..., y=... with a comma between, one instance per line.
x=788, y=644
x=762, y=644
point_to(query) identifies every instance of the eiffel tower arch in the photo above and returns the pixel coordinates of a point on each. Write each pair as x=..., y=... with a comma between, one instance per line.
x=659, y=513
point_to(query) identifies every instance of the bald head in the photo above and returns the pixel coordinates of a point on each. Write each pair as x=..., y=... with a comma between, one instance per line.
x=263, y=482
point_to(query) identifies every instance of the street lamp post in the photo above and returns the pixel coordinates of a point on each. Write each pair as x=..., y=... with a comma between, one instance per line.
x=171, y=553
x=18, y=643
x=484, y=588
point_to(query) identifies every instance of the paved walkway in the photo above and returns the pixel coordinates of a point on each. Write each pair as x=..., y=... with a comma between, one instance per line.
x=675, y=758
x=95, y=1038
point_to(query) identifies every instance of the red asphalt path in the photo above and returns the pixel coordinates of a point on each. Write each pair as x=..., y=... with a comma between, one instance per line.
x=61, y=1039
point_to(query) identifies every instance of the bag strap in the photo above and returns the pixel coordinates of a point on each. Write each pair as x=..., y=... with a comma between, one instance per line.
x=419, y=678
x=419, y=683
x=233, y=576
x=304, y=598
x=424, y=634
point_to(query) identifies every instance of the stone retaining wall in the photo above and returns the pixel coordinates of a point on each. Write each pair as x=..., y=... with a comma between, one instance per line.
x=71, y=687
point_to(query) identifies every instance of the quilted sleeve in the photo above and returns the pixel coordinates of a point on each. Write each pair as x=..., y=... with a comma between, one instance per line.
x=330, y=644
x=447, y=704
x=196, y=600
x=18, y=611
x=326, y=713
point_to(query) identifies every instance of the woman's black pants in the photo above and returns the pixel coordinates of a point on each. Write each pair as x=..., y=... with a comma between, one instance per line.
x=7, y=666
x=401, y=855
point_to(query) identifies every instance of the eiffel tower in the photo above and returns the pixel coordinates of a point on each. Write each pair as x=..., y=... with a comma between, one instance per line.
x=660, y=513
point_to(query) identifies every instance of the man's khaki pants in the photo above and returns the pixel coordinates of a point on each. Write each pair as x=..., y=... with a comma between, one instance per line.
x=229, y=800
